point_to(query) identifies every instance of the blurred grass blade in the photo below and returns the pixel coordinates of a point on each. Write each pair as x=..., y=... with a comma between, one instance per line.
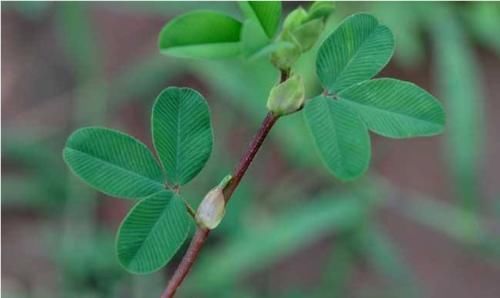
x=459, y=78
x=265, y=243
x=484, y=20
x=455, y=222
x=339, y=268
x=383, y=255
x=84, y=55
x=143, y=79
x=78, y=38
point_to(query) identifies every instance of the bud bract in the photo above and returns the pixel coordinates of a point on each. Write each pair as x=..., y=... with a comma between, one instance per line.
x=307, y=34
x=287, y=97
x=211, y=209
x=301, y=29
x=294, y=19
x=320, y=10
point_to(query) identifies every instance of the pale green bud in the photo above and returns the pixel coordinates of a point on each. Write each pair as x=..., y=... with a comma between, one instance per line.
x=294, y=19
x=307, y=34
x=320, y=10
x=301, y=29
x=287, y=97
x=212, y=207
x=285, y=57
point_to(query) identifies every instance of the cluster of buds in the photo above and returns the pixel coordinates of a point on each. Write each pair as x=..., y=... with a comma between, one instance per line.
x=301, y=30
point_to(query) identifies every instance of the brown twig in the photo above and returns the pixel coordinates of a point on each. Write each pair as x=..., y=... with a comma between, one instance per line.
x=187, y=261
x=246, y=160
x=201, y=233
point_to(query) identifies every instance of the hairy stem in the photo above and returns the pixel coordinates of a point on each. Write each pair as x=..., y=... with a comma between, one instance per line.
x=202, y=233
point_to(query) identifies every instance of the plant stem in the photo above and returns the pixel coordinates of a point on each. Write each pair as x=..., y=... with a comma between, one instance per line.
x=182, y=270
x=247, y=159
x=201, y=233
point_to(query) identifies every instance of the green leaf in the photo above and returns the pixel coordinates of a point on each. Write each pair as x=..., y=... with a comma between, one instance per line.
x=395, y=109
x=152, y=232
x=201, y=34
x=267, y=13
x=182, y=133
x=113, y=162
x=356, y=51
x=340, y=136
x=253, y=38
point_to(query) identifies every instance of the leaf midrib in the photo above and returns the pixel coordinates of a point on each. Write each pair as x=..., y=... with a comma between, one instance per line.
x=157, y=182
x=352, y=58
x=178, y=142
x=403, y=115
x=334, y=128
x=157, y=222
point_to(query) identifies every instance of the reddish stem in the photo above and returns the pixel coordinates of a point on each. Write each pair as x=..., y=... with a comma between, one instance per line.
x=202, y=233
x=187, y=261
x=246, y=160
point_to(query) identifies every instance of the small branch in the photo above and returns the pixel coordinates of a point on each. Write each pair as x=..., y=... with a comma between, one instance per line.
x=247, y=159
x=202, y=233
x=284, y=74
x=187, y=261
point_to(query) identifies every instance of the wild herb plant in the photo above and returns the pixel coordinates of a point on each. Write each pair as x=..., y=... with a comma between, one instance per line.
x=339, y=119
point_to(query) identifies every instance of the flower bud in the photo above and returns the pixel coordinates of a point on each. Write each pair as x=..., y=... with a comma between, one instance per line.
x=301, y=29
x=212, y=207
x=307, y=34
x=285, y=57
x=294, y=19
x=320, y=10
x=287, y=97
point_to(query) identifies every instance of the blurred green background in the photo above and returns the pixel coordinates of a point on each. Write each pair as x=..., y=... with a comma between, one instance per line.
x=425, y=221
